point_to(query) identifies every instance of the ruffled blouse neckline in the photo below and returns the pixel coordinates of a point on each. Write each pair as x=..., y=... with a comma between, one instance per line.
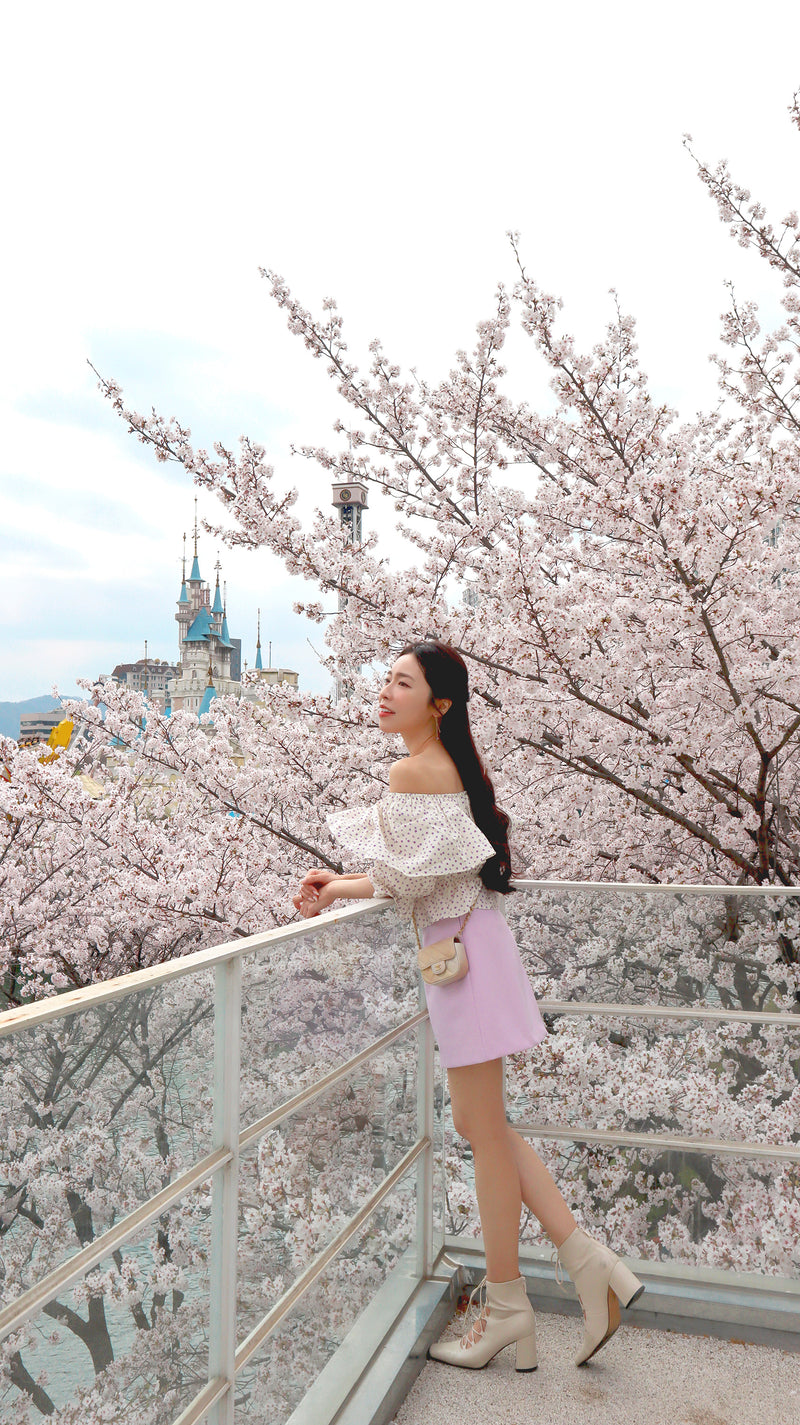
x=426, y=794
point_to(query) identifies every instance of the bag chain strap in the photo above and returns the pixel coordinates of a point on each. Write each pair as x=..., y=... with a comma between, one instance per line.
x=461, y=928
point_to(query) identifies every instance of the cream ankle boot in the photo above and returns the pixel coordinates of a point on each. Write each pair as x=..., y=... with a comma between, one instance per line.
x=506, y=1316
x=602, y=1281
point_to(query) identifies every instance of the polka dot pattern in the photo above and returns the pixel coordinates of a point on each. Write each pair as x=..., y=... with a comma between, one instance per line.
x=422, y=848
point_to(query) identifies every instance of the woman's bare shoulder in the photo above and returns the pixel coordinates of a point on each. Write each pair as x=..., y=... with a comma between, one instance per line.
x=415, y=774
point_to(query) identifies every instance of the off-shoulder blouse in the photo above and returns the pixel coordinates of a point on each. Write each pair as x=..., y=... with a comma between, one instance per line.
x=422, y=848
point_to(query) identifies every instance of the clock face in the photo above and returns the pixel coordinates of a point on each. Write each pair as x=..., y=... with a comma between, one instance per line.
x=346, y=494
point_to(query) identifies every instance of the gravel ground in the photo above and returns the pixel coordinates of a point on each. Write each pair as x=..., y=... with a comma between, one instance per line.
x=639, y=1378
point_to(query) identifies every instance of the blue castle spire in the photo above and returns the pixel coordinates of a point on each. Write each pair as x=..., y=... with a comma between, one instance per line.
x=194, y=577
x=217, y=607
x=184, y=598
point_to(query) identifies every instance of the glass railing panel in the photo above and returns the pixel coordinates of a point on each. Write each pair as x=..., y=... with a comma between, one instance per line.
x=308, y=1005
x=100, y=1110
x=690, y=1078
x=271, y=1386
x=697, y=1079
x=459, y=1207
x=313, y=1171
x=683, y=1207
x=663, y=1204
x=609, y=944
x=129, y=1341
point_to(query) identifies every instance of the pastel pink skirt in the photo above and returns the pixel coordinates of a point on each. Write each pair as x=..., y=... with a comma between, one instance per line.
x=492, y=1011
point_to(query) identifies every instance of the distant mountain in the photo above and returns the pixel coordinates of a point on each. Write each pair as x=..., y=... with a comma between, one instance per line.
x=10, y=712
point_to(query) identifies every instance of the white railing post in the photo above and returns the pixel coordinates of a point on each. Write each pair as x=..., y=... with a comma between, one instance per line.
x=225, y=1186
x=425, y=1052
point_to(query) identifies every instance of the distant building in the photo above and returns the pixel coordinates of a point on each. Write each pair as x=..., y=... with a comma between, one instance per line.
x=272, y=676
x=36, y=726
x=210, y=661
x=268, y=675
x=147, y=675
x=207, y=667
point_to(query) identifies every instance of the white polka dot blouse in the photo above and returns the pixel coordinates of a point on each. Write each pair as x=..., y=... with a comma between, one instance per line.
x=422, y=848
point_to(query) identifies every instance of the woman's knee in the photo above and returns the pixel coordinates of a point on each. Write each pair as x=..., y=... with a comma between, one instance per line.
x=461, y=1120
x=481, y=1130
x=476, y=1102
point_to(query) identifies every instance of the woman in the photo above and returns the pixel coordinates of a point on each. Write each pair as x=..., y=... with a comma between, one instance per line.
x=438, y=844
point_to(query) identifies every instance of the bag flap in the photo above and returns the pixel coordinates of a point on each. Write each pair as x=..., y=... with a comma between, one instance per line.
x=430, y=954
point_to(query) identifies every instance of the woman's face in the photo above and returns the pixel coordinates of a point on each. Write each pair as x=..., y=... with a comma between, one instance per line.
x=404, y=702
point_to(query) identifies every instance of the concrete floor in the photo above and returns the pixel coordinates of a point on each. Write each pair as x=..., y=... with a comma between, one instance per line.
x=640, y=1377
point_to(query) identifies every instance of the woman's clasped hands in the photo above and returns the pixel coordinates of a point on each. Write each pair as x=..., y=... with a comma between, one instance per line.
x=316, y=893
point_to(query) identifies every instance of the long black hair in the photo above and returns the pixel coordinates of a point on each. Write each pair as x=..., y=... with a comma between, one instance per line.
x=447, y=677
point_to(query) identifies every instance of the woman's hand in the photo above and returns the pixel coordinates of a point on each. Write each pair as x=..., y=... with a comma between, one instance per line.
x=314, y=895
x=318, y=876
x=320, y=887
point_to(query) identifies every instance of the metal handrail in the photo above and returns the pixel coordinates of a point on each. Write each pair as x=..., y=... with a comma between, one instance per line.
x=70, y=1002
x=658, y=888
x=709, y=1147
x=609, y=1009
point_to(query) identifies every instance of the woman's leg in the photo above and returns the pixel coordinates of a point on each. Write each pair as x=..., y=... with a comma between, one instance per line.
x=539, y=1190
x=508, y=1171
x=476, y=1097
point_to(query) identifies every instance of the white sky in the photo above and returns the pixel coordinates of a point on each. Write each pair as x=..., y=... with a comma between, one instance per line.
x=155, y=155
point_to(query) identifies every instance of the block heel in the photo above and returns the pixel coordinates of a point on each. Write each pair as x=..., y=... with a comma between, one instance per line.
x=625, y=1285
x=527, y=1357
x=603, y=1284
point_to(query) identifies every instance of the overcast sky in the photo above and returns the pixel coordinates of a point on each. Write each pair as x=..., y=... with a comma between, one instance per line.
x=155, y=155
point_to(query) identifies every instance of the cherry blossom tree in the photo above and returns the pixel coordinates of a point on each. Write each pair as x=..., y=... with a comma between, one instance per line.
x=631, y=635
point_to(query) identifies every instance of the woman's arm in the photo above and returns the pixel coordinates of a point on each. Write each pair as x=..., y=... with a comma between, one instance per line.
x=318, y=875
x=352, y=887
x=311, y=900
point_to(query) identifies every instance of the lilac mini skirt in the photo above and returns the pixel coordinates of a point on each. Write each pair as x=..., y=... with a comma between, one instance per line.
x=492, y=1011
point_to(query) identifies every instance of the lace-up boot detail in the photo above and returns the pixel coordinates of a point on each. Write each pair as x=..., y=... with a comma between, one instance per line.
x=504, y=1315
x=602, y=1282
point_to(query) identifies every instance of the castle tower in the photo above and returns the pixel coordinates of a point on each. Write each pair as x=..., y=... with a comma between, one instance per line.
x=184, y=615
x=210, y=660
x=206, y=648
x=199, y=592
x=217, y=609
x=235, y=644
x=226, y=638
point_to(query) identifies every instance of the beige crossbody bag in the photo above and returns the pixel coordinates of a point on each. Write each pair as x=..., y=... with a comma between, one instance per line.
x=446, y=961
